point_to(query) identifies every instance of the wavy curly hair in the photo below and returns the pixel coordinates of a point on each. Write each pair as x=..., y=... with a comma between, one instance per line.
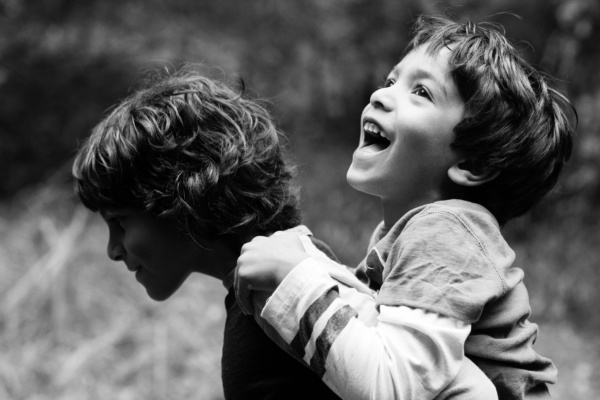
x=194, y=149
x=514, y=121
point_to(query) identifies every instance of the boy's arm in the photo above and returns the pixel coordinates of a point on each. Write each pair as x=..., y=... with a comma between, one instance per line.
x=406, y=353
x=353, y=291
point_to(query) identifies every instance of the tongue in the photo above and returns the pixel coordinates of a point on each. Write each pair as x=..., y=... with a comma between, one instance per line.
x=375, y=147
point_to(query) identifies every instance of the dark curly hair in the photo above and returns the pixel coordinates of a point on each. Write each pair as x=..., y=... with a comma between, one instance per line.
x=194, y=149
x=514, y=121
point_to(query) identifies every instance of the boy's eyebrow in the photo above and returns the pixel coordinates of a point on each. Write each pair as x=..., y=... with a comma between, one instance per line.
x=420, y=73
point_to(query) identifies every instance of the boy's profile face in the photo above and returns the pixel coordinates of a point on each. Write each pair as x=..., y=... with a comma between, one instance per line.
x=407, y=128
x=160, y=254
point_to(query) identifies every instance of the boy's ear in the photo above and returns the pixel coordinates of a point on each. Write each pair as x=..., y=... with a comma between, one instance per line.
x=467, y=172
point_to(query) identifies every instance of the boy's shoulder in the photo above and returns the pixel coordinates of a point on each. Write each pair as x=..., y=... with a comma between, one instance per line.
x=463, y=213
x=448, y=221
x=464, y=217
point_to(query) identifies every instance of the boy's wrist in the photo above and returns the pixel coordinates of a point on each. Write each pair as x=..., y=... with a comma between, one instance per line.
x=296, y=292
x=289, y=265
x=294, y=259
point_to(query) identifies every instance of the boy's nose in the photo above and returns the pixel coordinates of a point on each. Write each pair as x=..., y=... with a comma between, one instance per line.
x=115, y=251
x=381, y=98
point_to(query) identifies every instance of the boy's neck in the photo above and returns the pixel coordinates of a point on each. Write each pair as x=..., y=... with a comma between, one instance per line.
x=220, y=259
x=229, y=251
x=394, y=210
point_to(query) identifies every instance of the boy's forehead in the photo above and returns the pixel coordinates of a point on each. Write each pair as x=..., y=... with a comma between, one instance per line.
x=433, y=56
x=422, y=62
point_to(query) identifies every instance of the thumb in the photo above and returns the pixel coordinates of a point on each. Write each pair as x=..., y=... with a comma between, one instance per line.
x=243, y=293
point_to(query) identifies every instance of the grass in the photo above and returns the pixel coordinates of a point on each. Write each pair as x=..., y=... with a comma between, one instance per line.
x=74, y=325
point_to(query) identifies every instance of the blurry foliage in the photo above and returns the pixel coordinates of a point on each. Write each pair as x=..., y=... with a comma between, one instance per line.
x=42, y=115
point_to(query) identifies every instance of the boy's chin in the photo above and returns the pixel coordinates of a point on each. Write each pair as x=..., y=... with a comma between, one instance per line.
x=351, y=177
x=159, y=296
x=354, y=180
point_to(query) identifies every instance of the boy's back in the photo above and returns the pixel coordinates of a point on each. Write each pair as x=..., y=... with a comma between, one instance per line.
x=253, y=366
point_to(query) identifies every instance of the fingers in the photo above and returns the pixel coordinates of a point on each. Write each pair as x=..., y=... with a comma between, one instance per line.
x=263, y=264
x=242, y=284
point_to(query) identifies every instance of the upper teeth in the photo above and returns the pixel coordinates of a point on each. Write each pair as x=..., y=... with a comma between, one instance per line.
x=373, y=129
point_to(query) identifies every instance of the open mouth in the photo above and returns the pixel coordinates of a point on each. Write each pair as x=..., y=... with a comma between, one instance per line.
x=374, y=137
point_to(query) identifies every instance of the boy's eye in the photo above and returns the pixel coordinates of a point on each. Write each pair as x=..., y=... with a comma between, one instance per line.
x=422, y=91
x=387, y=83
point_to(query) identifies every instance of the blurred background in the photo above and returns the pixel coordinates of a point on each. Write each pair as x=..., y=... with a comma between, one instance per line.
x=74, y=325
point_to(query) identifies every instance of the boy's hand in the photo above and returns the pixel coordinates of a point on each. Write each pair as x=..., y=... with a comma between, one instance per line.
x=263, y=263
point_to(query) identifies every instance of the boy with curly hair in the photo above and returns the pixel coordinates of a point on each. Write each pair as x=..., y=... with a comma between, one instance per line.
x=463, y=136
x=184, y=172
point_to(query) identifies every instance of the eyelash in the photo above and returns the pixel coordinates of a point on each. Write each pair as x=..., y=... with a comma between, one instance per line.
x=386, y=82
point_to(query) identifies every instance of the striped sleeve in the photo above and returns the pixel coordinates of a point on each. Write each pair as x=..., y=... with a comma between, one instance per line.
x=322, y=313
x=405, y=354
